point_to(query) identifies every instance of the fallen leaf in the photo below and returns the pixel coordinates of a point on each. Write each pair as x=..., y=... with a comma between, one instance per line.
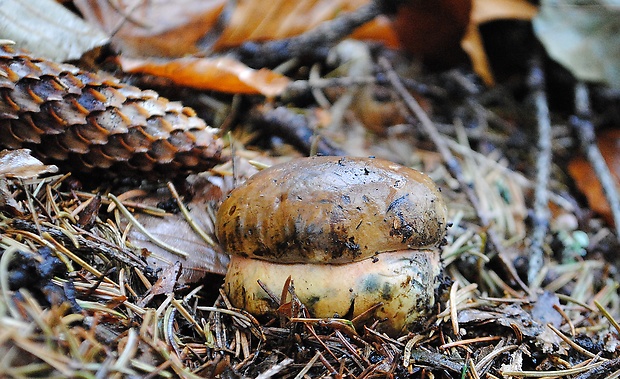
x=7, y=199
x=174, y=230
x=156, y=27
x=167, y=280
x=175, y=28
x=485, y=11
x=583, y=174
x=18, y=164
x=260, y=21
x=164, y=285
x=218, y=74
x=434, y=30
x=583, y=37
x=48, y=29
x=490, y=10
x=545, y=313
x=87, y=217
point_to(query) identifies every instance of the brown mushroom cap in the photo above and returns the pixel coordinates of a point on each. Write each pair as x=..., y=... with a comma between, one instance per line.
x=404, y=282
x=331, y=210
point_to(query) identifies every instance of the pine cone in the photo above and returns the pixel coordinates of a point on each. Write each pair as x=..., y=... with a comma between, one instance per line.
x=93, y=121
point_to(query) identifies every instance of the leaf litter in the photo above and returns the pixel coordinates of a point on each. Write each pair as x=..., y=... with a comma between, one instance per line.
x=113, y=316
x=81, y=296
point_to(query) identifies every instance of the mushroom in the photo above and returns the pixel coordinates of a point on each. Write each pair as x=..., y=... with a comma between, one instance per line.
x=350, y=232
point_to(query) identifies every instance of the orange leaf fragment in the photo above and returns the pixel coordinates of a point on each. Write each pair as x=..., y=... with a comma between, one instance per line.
x=380, y=30
x=217, y=74
x=582, y=172
x=273, y=20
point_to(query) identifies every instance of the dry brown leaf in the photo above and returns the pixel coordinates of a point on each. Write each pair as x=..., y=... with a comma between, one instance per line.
x=582, y=172
x=485, y=11
x=180, y=27
x=165, y=284
x=259, y=20
x=218, y=74
x=48, y=29
x=174, y=230
x=155, y=27
x=7, y=199
x=434, y=30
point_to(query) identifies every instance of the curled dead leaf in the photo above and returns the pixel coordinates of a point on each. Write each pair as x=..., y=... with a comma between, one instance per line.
x=485, y=11
x=217, y=74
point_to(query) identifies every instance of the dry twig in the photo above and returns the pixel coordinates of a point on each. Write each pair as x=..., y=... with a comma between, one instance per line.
x=311, y=42
x=543, y=168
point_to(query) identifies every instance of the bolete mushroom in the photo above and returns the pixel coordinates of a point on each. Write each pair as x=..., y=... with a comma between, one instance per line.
x=350, y=232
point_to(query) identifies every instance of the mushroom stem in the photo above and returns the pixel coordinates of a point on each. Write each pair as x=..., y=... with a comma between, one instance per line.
x=404, y=281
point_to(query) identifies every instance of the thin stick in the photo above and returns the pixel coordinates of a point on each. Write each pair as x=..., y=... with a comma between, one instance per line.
x=554, y=373
x=452, y=164
x=453, y=312
x=543, y=164
x=582, y=122
x=450, y=345
x=573, y=344
x=308, y=365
